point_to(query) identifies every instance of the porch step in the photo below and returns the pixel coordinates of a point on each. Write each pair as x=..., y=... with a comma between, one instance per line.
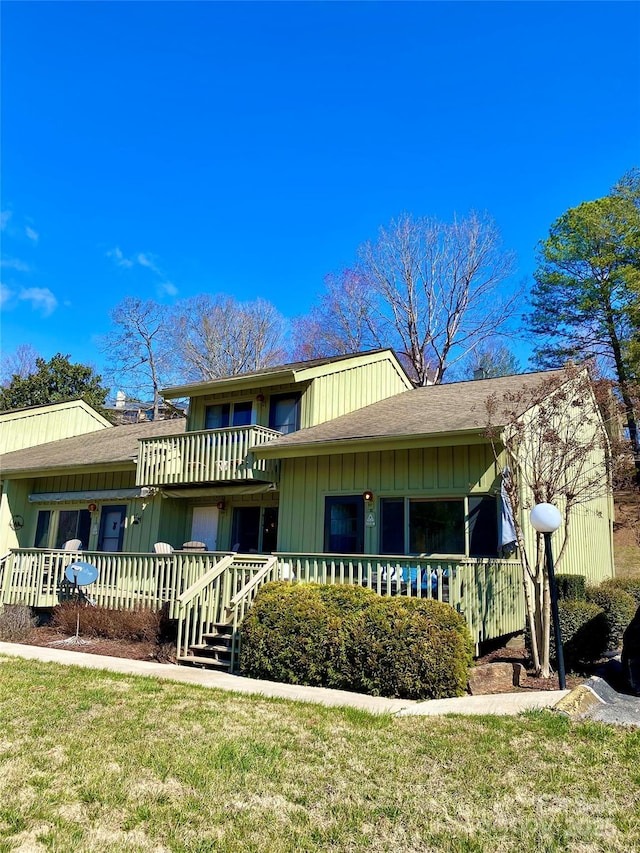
x=204, y=662
x=215, y=650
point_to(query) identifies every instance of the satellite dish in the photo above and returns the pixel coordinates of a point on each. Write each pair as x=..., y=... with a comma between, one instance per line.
x=81, y=574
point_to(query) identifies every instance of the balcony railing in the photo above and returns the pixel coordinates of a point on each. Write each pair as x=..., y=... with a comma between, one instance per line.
x=213, y=455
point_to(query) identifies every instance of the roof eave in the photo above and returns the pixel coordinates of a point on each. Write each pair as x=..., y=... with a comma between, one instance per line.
x=364, y=444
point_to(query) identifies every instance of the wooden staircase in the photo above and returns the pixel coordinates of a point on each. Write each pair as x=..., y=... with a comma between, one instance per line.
x=211, y=610
x=215, y=651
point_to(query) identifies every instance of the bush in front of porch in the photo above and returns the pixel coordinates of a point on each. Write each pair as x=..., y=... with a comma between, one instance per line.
x=350, y=638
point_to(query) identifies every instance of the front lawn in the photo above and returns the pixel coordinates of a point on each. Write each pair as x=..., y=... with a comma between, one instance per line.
x=94, y=761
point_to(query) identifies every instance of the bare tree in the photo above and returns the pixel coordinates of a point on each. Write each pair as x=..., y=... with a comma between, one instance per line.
x=343, y=321
x=20, y=363
x=552, y=441
x=138, y=349
x=218, y=336
x=438, y=288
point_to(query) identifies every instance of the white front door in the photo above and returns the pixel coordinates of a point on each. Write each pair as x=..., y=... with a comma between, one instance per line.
x=204, y=527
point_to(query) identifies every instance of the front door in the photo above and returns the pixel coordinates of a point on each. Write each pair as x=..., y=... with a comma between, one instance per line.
x=111, y=528
x=204, y=526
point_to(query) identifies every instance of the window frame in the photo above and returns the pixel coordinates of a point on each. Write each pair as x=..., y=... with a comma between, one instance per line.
x=231, y=408
x=274, y=399
x=465, y=500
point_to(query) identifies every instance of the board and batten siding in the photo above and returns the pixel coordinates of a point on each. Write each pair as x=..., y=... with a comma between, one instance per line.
x=422, y=472
x=353, y=388
x=39, y=425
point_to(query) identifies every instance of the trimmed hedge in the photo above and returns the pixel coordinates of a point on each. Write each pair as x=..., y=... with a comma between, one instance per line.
x=630, y=585
x=571, y=587
x=619, y=609
x=350, y=638
x=585, y=632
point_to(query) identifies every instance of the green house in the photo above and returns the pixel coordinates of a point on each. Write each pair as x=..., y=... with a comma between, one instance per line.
x=335, y=470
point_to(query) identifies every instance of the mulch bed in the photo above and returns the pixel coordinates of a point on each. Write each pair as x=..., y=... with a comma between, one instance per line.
x=165, y=653
x=129, y=649
x=532, y=682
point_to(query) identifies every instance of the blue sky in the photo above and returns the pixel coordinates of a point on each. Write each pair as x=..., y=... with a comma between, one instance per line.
x=168, y=149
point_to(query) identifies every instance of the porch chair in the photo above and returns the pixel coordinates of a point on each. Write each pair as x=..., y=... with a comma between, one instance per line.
x=162, y=548
x=72, y=545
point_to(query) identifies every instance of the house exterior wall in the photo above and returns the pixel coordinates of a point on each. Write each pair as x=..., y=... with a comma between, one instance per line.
x=352, y=388
x=323, y=397
x=452, y=471
x=28, y=427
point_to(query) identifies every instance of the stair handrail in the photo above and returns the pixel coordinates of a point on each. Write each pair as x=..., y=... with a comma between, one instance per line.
x=255, y=580
x=186, y=606
x=243, y=598
x=204, y=580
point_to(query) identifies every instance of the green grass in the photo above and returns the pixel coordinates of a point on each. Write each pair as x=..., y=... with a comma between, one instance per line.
x=93, y=761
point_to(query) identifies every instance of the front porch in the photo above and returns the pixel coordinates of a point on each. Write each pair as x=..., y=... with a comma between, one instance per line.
x=208, y=591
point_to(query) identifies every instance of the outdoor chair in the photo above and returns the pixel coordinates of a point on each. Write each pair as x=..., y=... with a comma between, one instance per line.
x=162, y=548
x=72, y=545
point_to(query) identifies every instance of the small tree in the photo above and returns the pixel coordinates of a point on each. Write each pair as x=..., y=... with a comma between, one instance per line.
x=552, y=442
x=55, y=381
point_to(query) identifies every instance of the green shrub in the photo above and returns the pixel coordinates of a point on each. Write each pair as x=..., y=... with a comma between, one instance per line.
x=290, y=635
x=630, y=585
x=619, y=609
x=16, y=622
x=351, y=638
x=409, y=648
x=136, y=625
x=584, y=630
x=571, y=587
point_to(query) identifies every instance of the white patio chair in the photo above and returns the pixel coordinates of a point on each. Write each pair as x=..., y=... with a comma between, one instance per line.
x=162, y=548
x=72, y=545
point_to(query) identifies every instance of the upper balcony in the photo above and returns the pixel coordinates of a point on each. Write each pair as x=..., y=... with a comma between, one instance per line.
x=207, y=456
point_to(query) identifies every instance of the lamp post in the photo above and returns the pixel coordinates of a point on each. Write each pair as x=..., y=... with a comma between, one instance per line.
x=546, y=518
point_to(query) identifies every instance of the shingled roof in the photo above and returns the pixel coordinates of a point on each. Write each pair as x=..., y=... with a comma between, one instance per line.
x=104, y=447
x=432, y=410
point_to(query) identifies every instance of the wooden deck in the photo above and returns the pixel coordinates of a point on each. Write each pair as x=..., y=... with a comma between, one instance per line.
x=204, y=589
x=206, y=456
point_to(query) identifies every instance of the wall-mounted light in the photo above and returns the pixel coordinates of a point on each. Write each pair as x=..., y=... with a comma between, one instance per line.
x=92, y=507
x=221, y=506
x=260, y=398
x=136, y=519
x=367, y=495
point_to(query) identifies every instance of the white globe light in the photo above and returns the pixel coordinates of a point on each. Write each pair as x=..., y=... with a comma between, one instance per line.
x=545, y=518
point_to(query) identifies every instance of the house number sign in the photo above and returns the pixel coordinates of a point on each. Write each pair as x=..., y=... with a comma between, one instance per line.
x=370, y=520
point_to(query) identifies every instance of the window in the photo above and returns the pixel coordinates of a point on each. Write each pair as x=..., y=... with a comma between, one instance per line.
x=55, y=527
x=217, y=417
x=483, y=526
x=73, y=524
x=422, y=526
x=223, y=415
x=284, y=413
x=436, y=527
x=344, y=525
x=42, y=529
x=392, y=526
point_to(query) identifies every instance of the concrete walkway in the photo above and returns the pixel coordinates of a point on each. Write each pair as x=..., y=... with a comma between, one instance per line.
x=502, y=703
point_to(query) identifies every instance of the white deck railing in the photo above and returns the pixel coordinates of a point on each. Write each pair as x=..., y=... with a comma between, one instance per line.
x=214, y=455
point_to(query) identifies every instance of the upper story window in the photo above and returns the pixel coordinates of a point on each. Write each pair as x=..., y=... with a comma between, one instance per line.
x=223, y=415
x=284, y=413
